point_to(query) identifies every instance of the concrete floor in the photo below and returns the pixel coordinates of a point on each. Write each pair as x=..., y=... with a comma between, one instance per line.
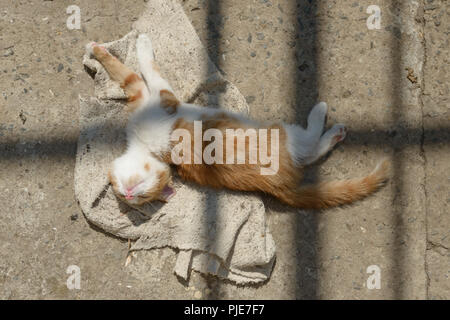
x=390, y=86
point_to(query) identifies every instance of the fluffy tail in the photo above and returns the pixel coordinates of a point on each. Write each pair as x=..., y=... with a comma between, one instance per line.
x=335, y=193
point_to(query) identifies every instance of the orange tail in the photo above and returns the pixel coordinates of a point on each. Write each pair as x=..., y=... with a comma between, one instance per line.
x=335, y=193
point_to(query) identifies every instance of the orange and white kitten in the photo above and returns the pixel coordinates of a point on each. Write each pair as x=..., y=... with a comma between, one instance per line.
x=142, y=173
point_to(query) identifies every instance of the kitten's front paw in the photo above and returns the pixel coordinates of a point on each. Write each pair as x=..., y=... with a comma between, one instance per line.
x=144, y=48
x=90, y=48
x=95, y=50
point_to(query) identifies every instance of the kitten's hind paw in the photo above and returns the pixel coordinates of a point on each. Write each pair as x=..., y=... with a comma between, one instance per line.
x=321, y=108
x=339, y=133
x=316, y=118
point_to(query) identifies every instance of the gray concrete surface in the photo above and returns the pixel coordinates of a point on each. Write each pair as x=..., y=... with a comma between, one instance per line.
x=436, y=147
x=283, y=56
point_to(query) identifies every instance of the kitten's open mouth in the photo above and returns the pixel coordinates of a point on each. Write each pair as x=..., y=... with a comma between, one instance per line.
x=167, y=193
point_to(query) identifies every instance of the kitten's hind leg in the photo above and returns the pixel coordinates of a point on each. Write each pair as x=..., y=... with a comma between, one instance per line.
x=157, y=86
x=304, y=143
x=132, y=83
x=336, y=134
x=316, y=119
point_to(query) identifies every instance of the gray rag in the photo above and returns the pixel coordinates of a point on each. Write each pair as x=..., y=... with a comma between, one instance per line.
x=221, y=233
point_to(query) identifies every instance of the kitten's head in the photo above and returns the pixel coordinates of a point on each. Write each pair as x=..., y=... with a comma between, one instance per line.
x=138, y=181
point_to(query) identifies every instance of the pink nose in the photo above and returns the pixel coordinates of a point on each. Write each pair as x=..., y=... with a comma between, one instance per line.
x=129, y=196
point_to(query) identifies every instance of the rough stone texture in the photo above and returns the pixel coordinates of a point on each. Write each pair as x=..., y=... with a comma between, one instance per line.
x=283, y=56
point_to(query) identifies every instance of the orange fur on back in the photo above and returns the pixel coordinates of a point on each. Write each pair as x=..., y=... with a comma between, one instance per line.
x=244, y=177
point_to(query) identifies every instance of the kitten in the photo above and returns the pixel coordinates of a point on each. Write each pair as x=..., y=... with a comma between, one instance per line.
x=142, y=173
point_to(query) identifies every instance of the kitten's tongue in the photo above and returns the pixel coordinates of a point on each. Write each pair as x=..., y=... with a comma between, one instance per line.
x=167, y=193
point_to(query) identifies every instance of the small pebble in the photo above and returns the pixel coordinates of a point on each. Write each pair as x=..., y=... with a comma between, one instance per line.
x=291, y=44
x=197, y=295
x=250, y=99
x=8, y=53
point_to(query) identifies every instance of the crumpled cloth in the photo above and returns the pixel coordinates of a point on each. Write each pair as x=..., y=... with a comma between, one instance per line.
x=222, y=233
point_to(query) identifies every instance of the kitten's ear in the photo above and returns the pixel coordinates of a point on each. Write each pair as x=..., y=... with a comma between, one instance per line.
x=167, y=193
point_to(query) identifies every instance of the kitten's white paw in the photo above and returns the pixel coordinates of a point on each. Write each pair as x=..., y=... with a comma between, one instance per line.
x=316, y=118
x=321, y=107
x=144, y=48
x=339, y=132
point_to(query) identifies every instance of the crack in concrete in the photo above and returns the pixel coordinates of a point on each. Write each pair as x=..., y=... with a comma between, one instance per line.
x=420, y=19
x=98, y=16
x=432, y=245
